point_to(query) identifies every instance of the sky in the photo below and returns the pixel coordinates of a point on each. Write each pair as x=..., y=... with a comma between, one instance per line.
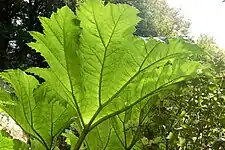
x=207, y=17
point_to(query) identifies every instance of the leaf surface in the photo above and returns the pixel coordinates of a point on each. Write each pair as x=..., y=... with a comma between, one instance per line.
x=102, y=70
x=60, y=34
x=115, y=63
x=37, y=108
x=6, y=143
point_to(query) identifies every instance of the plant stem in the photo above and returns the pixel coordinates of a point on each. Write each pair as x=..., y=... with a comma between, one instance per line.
x=86, y=129
x=81, y=138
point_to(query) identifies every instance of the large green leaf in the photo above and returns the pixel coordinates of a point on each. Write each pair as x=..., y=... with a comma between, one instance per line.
x=115, y=63
x=37, y=109
x=60, y=33
x=101, y=68
x=60, y=40
x=108, y=59
x=22, y=96
x=99, y=137
x=103, y=47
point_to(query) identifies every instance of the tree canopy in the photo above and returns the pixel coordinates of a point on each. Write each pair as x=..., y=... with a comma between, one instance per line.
x=158, y=18
x=17, y=18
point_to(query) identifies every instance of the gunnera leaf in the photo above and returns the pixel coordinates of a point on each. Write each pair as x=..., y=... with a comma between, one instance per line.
x=37, y=109
x=100, y=68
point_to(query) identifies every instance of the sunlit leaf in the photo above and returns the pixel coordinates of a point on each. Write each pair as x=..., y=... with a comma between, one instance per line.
x=37, y=109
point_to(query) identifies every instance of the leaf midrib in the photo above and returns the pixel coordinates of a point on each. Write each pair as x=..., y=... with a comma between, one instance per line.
x=105, y=51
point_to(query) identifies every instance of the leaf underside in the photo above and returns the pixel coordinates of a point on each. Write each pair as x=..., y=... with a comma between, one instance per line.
x=99, y=68
x=37, y=108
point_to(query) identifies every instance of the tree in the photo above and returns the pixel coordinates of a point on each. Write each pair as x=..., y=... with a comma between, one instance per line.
x=216, y=55
x=159, y=19
x=207, y=42
x=17, y=18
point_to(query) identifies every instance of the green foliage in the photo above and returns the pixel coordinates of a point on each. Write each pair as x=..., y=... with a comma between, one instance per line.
x=158, y=18
x=215, y=56
x=71, y=139
x=36, y=108
x=6, y=143
x=100, y=73
x=190, y=115
x=203, y=126
x=207, y=42
x=18, y=145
